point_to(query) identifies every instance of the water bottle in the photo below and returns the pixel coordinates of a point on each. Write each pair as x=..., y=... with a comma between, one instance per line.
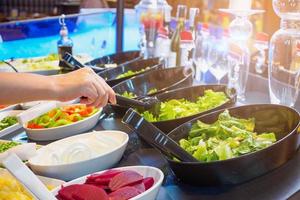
x=284, y=54
x=197, y=54
x=151, y=15
x=205, y=46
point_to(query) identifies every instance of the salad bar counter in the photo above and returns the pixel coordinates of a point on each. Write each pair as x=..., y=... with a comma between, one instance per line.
x=281, y=182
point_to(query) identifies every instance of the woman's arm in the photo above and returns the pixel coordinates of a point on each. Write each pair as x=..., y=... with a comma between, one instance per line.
x=24, y=87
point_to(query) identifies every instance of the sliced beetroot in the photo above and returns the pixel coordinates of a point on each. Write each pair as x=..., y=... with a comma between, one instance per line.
x=82, y=192
x=90, y=192
x=124, y=193
x=124, y=179
x=104, y=178
x=140, y=187
x=67, y=192
x=104, y=187
x=58, y=197
x=148, y=182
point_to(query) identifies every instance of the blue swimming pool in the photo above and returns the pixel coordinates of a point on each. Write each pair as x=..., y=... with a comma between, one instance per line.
x=92, y=33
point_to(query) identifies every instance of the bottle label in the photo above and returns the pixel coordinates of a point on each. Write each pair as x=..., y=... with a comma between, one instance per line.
x=172, y=59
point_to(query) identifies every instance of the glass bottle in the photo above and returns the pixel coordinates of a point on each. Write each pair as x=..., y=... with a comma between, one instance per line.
x=193, y=12
x=284, y=54
x=64, y=44
x=261, y=44
x=151, y=16
x=174, y=59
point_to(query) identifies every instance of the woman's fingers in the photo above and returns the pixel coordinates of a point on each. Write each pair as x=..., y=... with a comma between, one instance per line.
x=89, y=95
x=109, y=90
x=102, y=95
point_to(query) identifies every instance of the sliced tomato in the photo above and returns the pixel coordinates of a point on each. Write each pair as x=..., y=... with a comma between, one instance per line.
x=84, y=113
x=34, y=126
x=90, y=109
x=52, y=113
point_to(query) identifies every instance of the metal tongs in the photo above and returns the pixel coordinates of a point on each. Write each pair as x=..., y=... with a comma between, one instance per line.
x=74, y=64
x=156, y=137
x=145, y=103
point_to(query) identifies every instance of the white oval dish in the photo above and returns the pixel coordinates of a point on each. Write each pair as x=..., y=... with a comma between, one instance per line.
x=12, y=128
x=11, y=107
x=55, y=133
x=145, y=171
x=79, y=155
x=47, y=181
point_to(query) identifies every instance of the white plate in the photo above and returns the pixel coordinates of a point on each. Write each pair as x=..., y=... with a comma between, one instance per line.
x=12, y=128
x=51, y=159
x=49, y=134
x=145, y=171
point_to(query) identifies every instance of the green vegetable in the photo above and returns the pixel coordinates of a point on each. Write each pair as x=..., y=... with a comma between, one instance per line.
x=178, y=108
x=228, y=137
x=61, y=122
x=152, y=91
x=7, y=122
x=4, y=146
x=129, y=95
x=131, y=73
x=42, y=63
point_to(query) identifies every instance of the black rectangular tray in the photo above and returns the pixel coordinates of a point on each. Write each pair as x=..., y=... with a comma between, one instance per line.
x=281, y=183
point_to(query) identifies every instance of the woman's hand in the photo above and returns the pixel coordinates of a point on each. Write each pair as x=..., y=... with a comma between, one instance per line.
x=85, y=84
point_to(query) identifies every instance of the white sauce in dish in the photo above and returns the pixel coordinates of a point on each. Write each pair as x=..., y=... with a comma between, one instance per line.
x=78, y=148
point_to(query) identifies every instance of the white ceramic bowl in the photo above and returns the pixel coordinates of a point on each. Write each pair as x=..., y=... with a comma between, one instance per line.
x=12, y=128
x=55, y=133
x=145, y=171
x=47, y=181
x=11, y=107
x=71, y=158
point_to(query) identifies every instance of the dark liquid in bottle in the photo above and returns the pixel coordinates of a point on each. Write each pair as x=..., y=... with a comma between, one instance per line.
x=61, y=51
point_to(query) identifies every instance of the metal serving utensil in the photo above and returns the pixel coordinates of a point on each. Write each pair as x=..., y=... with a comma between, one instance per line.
x=74, y=64
x=146, y=103
x=156, y=137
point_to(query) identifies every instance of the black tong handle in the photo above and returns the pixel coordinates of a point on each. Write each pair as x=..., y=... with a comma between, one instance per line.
x=74, y=64
x=156, y=137
x=123, y=101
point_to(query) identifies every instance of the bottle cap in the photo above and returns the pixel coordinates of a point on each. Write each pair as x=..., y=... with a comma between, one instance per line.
x=186, y=36
x=261, y=36
x=63, y=31
x=205, y=27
